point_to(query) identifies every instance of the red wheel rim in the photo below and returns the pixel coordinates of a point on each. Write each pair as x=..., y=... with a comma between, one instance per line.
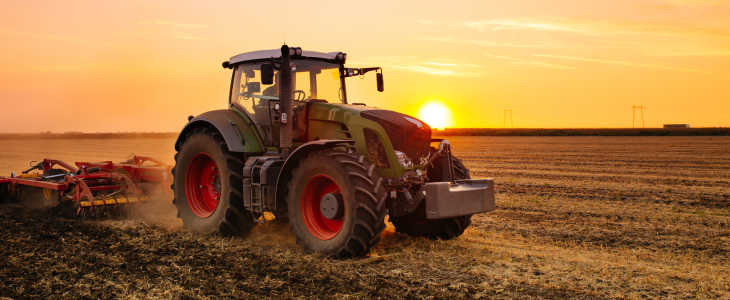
x=319, y=226
x=202, y=185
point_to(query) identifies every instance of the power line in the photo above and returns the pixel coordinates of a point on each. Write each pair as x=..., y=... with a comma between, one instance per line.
x=582, y=115
x=618, y=111
x=633, y=119
x=693, y=112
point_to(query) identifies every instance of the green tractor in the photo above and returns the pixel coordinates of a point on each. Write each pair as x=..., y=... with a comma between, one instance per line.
x=291, y=144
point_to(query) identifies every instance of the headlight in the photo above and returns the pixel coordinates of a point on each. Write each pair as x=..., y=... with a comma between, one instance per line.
x=295, y=51
x=403, y=159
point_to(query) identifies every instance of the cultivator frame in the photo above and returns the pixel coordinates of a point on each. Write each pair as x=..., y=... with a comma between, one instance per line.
x=94, y=187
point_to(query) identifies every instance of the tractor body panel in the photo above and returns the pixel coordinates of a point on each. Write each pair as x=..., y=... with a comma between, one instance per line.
x=232, y=126
x=344, y=121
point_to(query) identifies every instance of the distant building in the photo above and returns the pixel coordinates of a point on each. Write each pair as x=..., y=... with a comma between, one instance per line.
x=72, y=132
x=676, y=125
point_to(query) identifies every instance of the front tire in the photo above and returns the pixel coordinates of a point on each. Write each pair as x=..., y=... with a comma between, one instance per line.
x=361, y=219
x=208, y=185
x=416, y=224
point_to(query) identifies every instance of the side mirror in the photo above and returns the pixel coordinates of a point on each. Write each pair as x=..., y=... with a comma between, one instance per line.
x=379, y=78
x=267, y=74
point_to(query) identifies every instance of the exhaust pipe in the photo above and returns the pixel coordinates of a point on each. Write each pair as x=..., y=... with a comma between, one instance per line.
x=286, y=95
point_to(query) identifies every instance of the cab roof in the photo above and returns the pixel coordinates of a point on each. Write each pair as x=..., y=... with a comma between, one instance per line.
x=276, y=53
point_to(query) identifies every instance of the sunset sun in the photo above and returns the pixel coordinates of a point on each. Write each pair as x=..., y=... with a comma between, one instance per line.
x=436, y=115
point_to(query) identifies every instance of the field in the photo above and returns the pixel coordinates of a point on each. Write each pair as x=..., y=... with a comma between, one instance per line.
x=577, y=217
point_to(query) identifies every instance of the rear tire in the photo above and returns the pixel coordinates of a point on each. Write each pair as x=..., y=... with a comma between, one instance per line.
x=363, y=219
x=204, y=160
x=416, y=224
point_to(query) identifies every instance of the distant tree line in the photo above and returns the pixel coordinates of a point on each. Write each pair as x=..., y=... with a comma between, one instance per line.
x=84, y=136
x=710, y=131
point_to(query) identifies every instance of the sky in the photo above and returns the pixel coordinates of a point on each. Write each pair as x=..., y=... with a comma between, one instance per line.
x=109, y=66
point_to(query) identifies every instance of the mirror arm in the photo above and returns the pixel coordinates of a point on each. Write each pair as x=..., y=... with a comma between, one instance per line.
x=357, y=72
x=273, y=64
x=365, y=70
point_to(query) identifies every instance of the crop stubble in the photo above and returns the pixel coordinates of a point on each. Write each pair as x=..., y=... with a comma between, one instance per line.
x=577, y=217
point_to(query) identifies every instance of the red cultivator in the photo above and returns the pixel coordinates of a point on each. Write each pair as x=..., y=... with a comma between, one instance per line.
x=98, y=189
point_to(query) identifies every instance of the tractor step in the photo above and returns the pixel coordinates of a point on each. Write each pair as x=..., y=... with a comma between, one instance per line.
x=260, y=174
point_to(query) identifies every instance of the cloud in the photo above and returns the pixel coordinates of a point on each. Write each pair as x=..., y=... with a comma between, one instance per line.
x=381, y=59
x=681, y=50
x=496, y=25
x=426, y=70
x=439, y=64
x=184, y=36
x=442, y=69
x=592, y=27
x=433, y=66
x=173, y=24
x=622, y=63
x=531, y=63
x=668, y=37
x=697, y=2
x=665, y=29
x=487, y=43
x=64, y=38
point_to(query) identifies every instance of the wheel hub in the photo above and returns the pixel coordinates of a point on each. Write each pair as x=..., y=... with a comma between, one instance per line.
x=202, y=185
x=217, y=184
x=332, y=206
x=315, y=191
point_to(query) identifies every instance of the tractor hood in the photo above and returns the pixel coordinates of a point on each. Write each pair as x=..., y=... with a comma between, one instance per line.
x=405, y=133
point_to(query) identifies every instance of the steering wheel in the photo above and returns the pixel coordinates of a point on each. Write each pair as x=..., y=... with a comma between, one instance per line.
x=299, y=92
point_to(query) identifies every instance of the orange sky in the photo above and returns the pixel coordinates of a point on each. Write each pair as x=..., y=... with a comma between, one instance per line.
x=146, y=65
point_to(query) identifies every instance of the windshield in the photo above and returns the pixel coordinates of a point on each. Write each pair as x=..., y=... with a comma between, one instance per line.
x=313, y=80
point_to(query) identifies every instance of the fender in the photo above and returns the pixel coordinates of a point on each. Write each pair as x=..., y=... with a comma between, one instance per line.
x=293, y=161
x=238, y=135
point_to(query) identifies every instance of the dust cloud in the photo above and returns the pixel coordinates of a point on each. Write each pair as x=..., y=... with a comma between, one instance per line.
x=274, y=233
x=159, y=211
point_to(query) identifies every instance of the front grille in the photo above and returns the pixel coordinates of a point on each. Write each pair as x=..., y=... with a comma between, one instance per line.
x=376, y=149
x=406, y=133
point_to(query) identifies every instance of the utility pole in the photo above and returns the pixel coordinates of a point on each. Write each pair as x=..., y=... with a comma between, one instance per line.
x=511, y=121
x=633, y=117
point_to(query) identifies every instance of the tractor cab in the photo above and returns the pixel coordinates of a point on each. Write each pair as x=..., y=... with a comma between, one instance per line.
x=316, y=78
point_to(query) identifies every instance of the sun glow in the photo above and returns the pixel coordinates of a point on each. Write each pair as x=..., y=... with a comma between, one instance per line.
x=436, y=115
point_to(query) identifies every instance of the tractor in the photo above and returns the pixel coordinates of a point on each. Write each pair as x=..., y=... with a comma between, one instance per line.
x=292, y=144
